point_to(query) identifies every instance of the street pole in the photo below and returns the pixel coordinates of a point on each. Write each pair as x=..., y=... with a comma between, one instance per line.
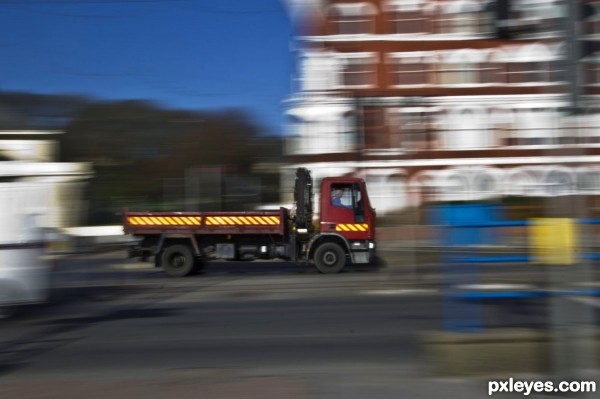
x=571, y=322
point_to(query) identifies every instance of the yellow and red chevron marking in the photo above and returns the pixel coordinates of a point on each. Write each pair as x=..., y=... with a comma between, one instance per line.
x=352, y=227
x=164, y=220
x=242, y=220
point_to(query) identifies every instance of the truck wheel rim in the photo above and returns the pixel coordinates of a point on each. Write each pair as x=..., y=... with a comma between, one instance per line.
x=178, y=261
x=329, y=258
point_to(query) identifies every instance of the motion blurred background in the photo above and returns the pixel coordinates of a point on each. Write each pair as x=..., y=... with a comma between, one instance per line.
x=475, y=123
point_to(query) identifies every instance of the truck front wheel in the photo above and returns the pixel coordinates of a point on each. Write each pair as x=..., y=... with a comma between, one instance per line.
x=178, y=261
x=329, y=258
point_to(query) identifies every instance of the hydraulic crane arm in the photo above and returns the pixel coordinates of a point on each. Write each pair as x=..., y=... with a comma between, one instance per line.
x=303, y=196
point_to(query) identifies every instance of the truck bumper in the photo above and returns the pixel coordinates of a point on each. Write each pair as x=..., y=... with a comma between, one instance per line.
x=362, y=252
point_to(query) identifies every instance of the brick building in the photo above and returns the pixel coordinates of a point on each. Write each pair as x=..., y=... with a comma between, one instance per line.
x=445, y=99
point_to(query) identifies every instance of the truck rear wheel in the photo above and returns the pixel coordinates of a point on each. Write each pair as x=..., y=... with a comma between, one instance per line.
x=329, y=258
x=178, y=261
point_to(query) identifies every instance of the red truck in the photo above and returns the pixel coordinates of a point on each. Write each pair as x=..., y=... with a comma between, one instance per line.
x=181, y=242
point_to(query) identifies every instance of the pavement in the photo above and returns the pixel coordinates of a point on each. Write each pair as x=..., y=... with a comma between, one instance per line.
x=405, y=274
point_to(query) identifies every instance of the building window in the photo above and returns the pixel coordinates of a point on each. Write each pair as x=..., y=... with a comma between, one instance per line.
x=409, y=69
x=591, y=68
x=537, y=126
x=407, y=16
x=376, y=135
x=491, y=73
x=501, y=122
x=319, y=71
x=587, y=127
x=588, y=181
x=462, y=17
x=485, y=184
x=559, y=182
x=529, y=64
x=540, y=17
x=456, y=73
x=591, y=18
x=358, y=70
x=465, y=128
x=415, y=127
x=533, y=72
x=352, y=18
x=527, y=72
x=454, y=187
x=460, y=67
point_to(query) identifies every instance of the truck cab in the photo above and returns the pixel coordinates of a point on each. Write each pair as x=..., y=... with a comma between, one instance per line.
x=346, y=229
x=345, y=209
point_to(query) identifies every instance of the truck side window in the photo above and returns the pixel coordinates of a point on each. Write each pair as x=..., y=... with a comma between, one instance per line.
x=341, y=196
x=359, y=209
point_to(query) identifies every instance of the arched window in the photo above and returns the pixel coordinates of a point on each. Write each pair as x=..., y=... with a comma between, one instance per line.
x=466, y=128
x=455, y=187
x=559, y=182
x=522, y=182
x=486, y=184
x=532, y=64
x=352, y=18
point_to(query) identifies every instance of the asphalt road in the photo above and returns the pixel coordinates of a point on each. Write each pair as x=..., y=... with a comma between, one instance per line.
x=116, y=329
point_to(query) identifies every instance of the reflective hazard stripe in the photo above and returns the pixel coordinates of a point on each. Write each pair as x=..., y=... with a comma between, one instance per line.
x=352, y=227
x=242, y=220
x=164, y=220
x=208, y=220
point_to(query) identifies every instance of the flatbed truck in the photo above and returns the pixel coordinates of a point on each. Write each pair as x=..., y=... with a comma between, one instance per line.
x=344, y=232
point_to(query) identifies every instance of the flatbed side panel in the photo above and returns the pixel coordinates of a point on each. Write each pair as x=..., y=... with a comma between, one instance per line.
x=161, y=222
x=260, y=222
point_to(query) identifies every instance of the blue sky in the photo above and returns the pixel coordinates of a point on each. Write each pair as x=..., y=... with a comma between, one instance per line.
x=192, y=54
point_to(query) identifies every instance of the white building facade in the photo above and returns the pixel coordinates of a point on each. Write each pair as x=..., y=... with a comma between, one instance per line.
x=436, y=100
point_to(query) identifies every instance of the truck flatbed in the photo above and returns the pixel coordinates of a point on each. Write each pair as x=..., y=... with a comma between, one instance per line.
x=257, y=222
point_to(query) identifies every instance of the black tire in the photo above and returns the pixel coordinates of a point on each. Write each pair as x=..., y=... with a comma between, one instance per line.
x=329, y=258
x=178, y=261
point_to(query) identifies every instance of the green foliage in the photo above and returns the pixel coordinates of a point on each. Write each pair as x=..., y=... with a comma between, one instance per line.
x=136, y=145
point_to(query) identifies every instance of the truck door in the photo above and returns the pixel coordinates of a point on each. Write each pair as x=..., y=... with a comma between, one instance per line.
x=343, y=210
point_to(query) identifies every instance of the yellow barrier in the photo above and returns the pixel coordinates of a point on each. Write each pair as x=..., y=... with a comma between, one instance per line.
x=553, y=241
